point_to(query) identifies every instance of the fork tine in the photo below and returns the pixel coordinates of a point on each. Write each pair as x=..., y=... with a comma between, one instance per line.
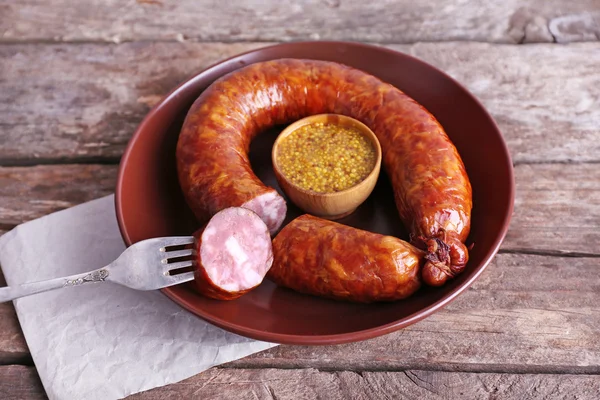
x=179, y=253
x=177, y=265
x=174, y=241
x=179, y=278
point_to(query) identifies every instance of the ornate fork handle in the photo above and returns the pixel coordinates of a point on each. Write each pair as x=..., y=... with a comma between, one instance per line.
x=13, y=292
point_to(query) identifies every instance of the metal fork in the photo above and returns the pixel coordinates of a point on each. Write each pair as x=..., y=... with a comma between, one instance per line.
x=143, y=266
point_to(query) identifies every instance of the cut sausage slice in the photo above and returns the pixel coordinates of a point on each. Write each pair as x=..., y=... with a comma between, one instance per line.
x=233, y=254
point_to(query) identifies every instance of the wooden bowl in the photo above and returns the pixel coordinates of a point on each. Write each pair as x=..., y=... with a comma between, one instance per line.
x=333, y=205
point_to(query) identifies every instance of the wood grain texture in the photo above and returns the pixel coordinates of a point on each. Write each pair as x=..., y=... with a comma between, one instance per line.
x=396, y=21
x=91, y=111
x=576, y=27
x=18, y=382
x=557, y=207
x=13, y=349
x=546, y=99
x=270, y=384
x=525, y=314
x=30, y=192
x=556, y=213
x=22, y=383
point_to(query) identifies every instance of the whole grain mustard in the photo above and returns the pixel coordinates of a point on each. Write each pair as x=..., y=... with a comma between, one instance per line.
x=325, y=157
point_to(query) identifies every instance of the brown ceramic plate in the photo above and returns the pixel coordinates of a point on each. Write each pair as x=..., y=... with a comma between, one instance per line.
x=149, y=202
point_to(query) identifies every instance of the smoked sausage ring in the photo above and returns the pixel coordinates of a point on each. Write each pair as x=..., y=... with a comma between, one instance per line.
x=431, y=188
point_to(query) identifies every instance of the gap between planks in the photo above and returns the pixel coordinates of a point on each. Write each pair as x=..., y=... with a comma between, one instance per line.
x=76, y=42
x=553, y=162
x=517, y=369
x=546, y=193
x=542, y=97
x=34, y=162
x=309, y=383
x=548, y=253
x=23, y=383
x=115, y=160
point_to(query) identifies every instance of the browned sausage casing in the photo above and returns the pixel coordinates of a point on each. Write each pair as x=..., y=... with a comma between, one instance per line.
x=324, y=258
x=432, y=190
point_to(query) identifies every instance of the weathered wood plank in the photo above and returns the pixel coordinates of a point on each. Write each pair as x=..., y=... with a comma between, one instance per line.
x=545, y=98
x=526, y=314
x=91, y=111
x=31, y=192
x=557, y=209
x=397, y=21
x=22, y=383
x=557, y=206
x=576, y=27
x=13, y=349
x=219, y=383
x=18, y=382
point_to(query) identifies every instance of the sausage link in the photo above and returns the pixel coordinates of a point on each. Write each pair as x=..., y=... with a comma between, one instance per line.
x=324, y=258
x=432, y=190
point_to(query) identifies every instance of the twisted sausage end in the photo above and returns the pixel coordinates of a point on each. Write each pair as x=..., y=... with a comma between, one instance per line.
x=446, y=257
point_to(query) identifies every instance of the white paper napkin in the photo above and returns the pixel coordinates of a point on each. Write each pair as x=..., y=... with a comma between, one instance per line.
x=103, y=341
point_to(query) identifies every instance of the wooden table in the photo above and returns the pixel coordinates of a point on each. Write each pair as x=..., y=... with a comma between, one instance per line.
x=76, y=77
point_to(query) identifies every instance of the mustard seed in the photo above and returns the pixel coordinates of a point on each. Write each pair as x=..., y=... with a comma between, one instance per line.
x=325, y=158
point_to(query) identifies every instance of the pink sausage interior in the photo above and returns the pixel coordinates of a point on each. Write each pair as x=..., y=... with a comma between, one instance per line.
x=270, y=207
x=236, y=250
